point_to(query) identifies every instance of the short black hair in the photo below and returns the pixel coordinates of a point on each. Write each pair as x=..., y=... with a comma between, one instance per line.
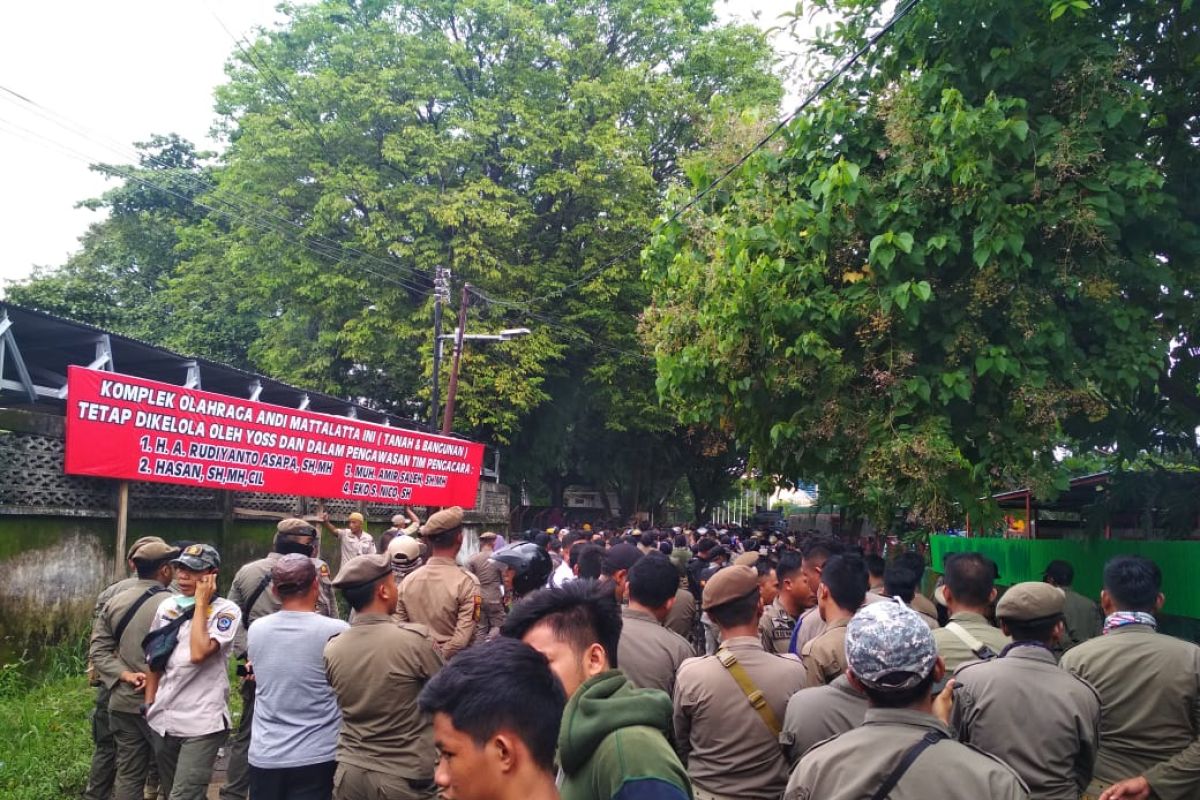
x=541, y=539
x=680, y=540
x=1061, y=572
x=970, y=578
x=148, y=568
x=580, y=613
x=591, y=561
x=531, y=705
x=359, y=596
x=789, y=564
x=736, y=612
x=445, y=538
x=1036, y=631
x=1133, y=582
x=822, y=548
x=900, y=581
x=875, y=565
x=901, y=699
x=846, y=578
x=649, y=539
x=914, y=561
x=653, y=580
x=554, y=545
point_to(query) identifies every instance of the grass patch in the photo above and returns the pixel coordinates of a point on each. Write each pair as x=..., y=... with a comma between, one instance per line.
x=46, y=748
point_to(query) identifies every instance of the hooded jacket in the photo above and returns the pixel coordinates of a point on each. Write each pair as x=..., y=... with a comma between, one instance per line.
x=612, y=744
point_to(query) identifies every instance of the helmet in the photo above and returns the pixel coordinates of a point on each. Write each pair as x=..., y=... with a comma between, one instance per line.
x=530, y=563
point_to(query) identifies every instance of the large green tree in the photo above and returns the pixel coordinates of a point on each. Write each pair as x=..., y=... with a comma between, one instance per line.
x=981, y=244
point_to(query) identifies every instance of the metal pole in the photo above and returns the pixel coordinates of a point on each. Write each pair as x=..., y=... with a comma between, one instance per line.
x=122, y=527
x=452, y=389
x=441, y=288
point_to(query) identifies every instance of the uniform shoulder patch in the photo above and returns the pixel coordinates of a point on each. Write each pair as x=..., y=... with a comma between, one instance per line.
x=323, y=570
x=224, y=621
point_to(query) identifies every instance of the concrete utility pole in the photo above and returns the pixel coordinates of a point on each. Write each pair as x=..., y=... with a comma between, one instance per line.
x=452, y=390
x=441, y=293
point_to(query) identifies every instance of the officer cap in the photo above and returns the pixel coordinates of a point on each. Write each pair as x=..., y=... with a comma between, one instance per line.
x=731, y=583
x=134, y=547
x=361, y=570
x=444, y=521
x=154, y=549
x=294, y=526
x=199, y=557
x=404, y=549
x=293, y=573
x=1031, y=602
x=889, y=647
x=747, y=559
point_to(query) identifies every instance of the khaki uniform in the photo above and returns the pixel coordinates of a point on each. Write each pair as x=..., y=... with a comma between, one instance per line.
x=925, y=607
x=819, y=712
x=377, y=669
x=1082, y=619
x=103, y=771
x=952, y=649
x=445, y=598
x=775, y=627
x=811, y=625
x=726, y=746
x=491, y=592
x=648, y=653
x=245, y=583
x=1049, y=737
x=1149, y=687
x=684, y=614
x=855, y=764
x=133, y=739
x=824, y=658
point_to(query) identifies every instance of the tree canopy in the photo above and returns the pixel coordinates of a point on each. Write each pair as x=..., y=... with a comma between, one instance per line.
x=981, y=245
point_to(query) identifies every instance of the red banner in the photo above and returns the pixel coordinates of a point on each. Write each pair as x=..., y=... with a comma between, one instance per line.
x=119, y=426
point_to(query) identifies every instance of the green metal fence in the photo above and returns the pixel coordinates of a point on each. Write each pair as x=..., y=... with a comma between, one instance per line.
x=1025, y=559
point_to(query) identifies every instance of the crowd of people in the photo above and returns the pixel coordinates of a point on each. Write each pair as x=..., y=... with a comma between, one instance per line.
x=633, y=665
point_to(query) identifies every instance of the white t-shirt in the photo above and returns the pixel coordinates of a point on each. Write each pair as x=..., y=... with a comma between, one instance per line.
x=296, y=716
x=193, y=699
x=562, y=574
x=361, y=545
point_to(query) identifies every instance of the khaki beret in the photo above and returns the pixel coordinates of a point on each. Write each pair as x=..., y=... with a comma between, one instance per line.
x=747, y=559
x=296, y=527
x=133, y=548
x=154, y=549
x=1027, y=602
x=361, y=570
x=488, y=536
x=731, y=583
x=444, y=521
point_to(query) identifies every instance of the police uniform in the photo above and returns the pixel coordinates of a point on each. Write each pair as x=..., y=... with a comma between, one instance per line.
x=648, y=653
x=245, y=584
x=684, y=614
x=1082, y=619
x=442, y=595
x=491, y=591
x=955, y=652
x=888, y=647
x=190, y=712
x=134, y=607
x=1050, y=736
x=776, y=627
x=1149, y=687
x=819, y=712
x=810, y=625
x=377, y=669
x=824, y=658
x=728, y=747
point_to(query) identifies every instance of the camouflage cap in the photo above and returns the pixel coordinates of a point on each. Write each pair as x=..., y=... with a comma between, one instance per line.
x=199, y=557
x=889, y=647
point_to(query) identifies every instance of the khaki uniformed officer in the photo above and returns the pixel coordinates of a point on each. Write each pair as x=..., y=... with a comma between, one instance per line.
x=1050, y=736
x=730, y=748
x=377, y=669
x=968, y=592
x=892, y=657
x=491, y=587
x=117, y=655
x=840, y=593
x=819, y=712
x=251, y=591
x=648, y=653
x=442, y=595
x=792, y=597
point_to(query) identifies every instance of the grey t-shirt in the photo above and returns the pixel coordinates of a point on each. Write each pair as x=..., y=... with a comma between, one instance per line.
x=296, y=716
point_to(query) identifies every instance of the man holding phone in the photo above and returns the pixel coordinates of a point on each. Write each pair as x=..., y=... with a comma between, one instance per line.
x=187, y=704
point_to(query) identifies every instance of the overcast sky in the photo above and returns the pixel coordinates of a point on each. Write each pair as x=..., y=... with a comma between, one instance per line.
x=107, y=73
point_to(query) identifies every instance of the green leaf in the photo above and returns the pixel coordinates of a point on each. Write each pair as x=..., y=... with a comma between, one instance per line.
x=982, y=365
x=1021, y=129
x=904, y=241
x=981, y=255
x=923, y=290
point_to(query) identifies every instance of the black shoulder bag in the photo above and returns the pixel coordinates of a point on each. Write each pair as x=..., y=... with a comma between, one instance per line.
x=253, y=598
x=160, y=643
x=929, y=739
x=119, y=631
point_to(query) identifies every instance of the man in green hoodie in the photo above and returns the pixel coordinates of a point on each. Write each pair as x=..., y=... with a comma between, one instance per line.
x=612, y=743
